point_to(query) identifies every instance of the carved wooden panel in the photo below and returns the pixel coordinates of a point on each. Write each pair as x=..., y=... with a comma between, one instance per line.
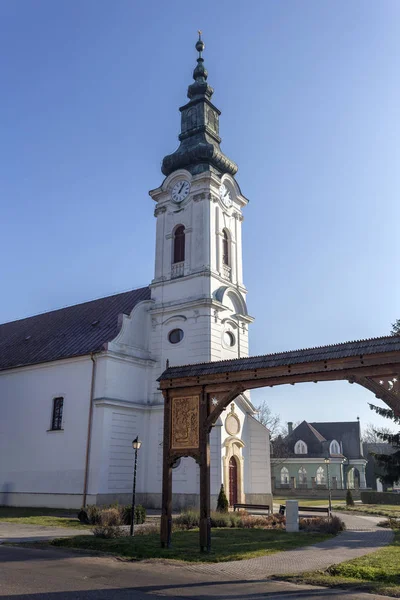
x=185, y=422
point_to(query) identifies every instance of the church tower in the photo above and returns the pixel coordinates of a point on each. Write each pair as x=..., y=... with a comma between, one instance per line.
x=199, y=311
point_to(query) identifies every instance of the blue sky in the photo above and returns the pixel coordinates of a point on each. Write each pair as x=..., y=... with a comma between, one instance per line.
x=310, y=96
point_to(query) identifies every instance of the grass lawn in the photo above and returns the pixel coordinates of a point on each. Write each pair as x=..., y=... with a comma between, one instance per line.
x=227, y=544
x=51, y=517
x=385, y=510
x=378, y=572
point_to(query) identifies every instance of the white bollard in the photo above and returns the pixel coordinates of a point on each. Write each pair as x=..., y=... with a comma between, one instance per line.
x=292, y=515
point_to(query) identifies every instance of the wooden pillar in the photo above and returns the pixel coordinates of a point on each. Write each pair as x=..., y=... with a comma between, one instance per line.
x=204, y=443
x=166, y=508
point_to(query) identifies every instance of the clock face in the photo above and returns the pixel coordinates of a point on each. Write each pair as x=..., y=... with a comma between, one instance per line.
x=225, y=196
x=180, y=190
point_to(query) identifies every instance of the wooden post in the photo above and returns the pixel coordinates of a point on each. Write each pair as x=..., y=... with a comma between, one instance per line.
x=205, y=525
x=166, y=509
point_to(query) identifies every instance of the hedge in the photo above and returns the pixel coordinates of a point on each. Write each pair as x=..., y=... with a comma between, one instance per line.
x=380, y=498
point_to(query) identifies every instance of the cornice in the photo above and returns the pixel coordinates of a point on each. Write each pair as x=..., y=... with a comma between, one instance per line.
x=117, y=402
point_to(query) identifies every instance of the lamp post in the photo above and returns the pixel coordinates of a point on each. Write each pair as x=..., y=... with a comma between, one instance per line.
x=344, y=463
x=327, y=461
x=135, y=445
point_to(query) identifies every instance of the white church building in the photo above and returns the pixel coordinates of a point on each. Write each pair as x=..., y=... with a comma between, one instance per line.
x=78, y=384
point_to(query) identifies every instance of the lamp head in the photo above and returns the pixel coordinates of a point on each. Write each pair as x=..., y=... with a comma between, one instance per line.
x=136, y=443
x=327, y=461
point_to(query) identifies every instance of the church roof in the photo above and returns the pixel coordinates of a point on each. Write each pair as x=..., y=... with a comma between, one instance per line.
x=72, y=331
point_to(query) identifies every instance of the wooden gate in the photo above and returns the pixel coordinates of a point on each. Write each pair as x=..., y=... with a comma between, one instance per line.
x=196, y=395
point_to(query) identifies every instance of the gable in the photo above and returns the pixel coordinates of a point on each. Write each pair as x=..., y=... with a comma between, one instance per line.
x=72, y=331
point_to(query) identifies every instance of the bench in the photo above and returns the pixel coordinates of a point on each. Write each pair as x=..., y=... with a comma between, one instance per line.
x=314, y=509
x=251, y=507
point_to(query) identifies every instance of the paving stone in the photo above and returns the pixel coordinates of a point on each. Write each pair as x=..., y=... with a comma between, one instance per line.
x=361, y=537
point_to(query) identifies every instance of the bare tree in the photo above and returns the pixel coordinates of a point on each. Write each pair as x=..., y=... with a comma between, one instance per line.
x=284, y=429
x=268, y=418
x=370, y=434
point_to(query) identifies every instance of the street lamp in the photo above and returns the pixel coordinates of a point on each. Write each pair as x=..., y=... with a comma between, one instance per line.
x=135, y=445
x=344, y=463
x=327, y=461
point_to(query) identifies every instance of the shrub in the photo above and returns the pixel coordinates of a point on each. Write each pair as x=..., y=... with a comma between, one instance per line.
x=391, y=523
x=110, y=517
x=189, y=519
x=148, y=529
x=331, y=525
x=349, y=498
x=126, y=513
x=83, y=516
x=221, y=519
x=107, y=531
x=109, y=525
x=380, y=498
x=222, y=502
x=93, y=514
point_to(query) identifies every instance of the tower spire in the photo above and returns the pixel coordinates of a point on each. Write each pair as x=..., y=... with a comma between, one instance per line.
x=199, y=148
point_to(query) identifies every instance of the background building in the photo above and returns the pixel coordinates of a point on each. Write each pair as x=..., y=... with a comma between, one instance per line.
x=303, y=460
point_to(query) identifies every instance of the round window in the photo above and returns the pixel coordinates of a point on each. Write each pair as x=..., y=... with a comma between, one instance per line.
x=229, y=338
x=175, y=336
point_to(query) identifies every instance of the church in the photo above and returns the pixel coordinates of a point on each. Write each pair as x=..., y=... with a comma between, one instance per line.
x=78, y=384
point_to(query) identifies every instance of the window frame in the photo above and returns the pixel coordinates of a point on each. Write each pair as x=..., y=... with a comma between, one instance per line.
x=56, y=423
x=179, y=245
x=299, y=446
x=226, y=248
x=284, y=473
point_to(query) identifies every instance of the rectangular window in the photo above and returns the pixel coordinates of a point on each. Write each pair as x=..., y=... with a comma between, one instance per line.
x=56, y=422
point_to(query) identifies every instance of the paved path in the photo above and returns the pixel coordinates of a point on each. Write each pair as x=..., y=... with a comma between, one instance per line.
x=32, y=574
x=362, y=537
x=19, y=532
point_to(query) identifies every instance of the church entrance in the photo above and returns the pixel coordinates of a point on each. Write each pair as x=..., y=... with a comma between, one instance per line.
x=233, y=481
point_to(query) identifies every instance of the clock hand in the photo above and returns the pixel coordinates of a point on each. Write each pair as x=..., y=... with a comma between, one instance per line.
x=180, y=189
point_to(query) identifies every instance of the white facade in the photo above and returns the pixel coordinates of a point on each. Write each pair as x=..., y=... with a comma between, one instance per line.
x=112, y=396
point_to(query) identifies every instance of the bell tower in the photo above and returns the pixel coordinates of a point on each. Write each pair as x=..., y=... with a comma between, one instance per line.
x=199, y=311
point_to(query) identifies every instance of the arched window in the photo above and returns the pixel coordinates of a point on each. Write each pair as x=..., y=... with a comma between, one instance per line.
x=300, y=447
x=225, y=248
x=302, y=475
x=334, y=448
x=179, y=244
x=284, y=476
x=320, y=478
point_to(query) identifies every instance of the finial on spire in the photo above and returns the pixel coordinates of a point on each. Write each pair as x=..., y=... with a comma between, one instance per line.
x=200, y=73
x=200, y=44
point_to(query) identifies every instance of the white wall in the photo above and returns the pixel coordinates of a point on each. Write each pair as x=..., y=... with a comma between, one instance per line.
x=34, y=460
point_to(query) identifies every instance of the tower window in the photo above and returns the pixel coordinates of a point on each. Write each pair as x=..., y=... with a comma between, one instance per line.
x=175, y=336
x=179, y=244
x=225, y=248
x=56, y=420
x=229, y=338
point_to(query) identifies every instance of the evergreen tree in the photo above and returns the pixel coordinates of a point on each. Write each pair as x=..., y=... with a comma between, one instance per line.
x=222, y=502
x=395, y=328
x=349, y=498
x=390, y=463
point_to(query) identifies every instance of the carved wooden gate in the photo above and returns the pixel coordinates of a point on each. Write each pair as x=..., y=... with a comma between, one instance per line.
x=196, y=395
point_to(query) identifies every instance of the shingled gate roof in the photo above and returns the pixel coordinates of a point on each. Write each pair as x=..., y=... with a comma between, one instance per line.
x=335, y=351
x=72, y=331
